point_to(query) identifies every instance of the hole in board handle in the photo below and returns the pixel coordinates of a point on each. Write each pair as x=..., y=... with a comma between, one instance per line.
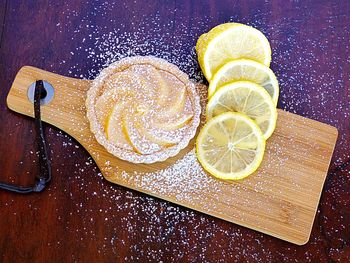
x=46, y=94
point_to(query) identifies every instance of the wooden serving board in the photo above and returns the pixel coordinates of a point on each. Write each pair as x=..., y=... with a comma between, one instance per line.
x=280, y=199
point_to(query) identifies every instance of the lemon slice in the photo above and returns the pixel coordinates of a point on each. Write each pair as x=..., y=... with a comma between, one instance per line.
x=245, y=69
x=231, y=41
x=230, y=146
x=248, y=98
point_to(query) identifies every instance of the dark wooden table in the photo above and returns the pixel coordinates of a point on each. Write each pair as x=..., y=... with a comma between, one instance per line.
x=81, y=217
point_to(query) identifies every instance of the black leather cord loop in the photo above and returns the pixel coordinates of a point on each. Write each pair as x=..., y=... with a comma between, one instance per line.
x=44, y=162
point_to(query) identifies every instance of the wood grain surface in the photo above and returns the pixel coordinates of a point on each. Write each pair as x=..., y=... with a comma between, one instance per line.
x=81, y=217
x=290, y=178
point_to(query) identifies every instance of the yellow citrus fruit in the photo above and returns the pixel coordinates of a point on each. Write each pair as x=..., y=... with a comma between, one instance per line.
x=245, y=69
x=230, y=41
x=230, y=146
x=248, y=98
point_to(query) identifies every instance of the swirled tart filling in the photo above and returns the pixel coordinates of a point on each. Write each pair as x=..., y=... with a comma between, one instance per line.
x=143, y=109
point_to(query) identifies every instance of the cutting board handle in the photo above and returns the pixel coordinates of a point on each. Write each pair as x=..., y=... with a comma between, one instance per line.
x=68, y=93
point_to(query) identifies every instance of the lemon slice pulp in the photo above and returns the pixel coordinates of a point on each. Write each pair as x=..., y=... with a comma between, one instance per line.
x=245, y=69
x=230, y=146
x=248, y=98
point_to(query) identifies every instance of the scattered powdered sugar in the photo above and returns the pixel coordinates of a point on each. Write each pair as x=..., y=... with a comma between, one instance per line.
x=103, y=49
x=175, y=180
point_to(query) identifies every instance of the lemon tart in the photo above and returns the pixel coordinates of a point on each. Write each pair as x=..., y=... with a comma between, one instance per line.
x=143, y=109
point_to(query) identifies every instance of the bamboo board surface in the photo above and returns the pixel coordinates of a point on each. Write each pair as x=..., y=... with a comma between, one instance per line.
x=280, y=199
